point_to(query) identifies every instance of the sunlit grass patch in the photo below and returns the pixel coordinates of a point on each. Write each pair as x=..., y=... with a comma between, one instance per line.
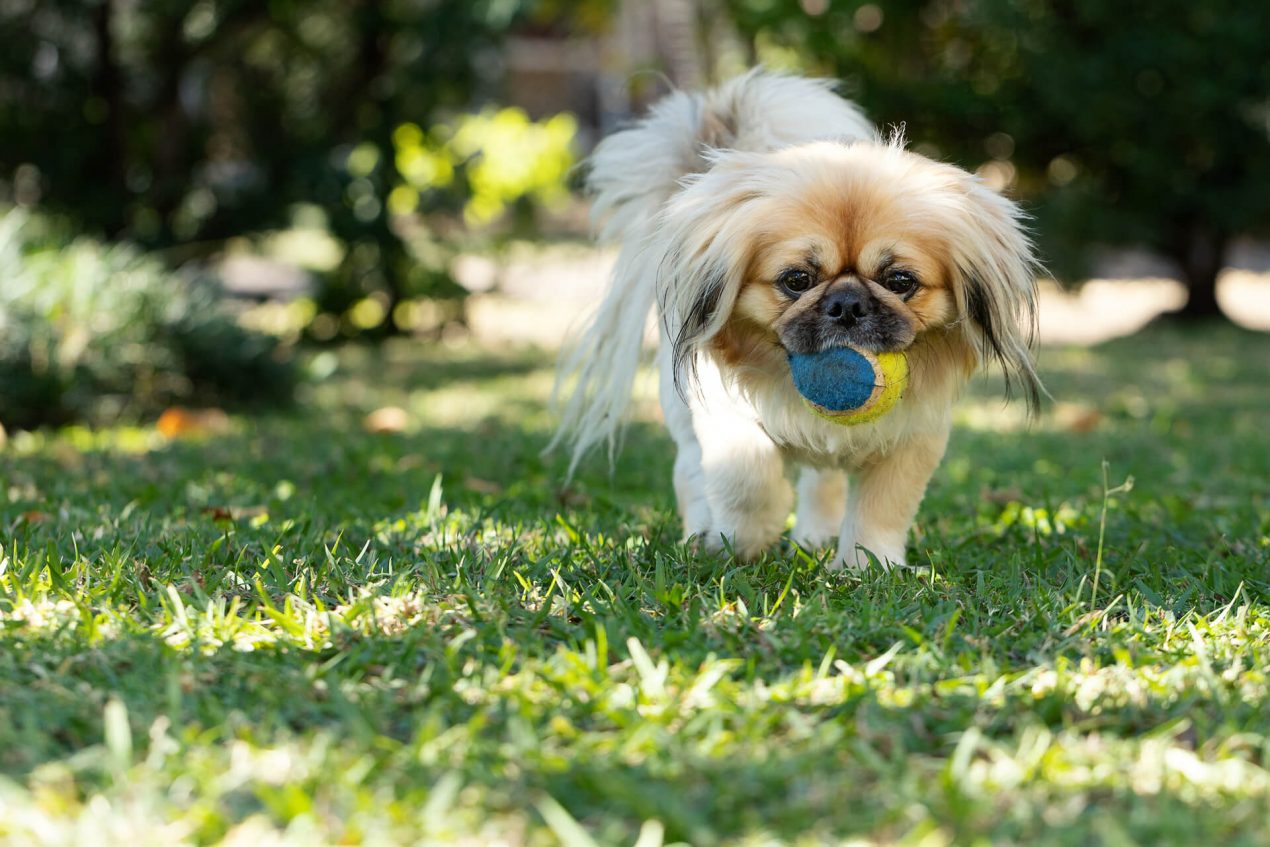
x=296, y=631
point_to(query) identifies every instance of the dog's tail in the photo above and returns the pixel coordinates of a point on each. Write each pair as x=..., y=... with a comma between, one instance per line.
x=631, y=176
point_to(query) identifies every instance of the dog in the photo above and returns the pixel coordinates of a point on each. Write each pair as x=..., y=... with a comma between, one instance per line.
x=764, y=217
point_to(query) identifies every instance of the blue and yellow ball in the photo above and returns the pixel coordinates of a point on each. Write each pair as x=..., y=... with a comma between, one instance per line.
x=847, y=385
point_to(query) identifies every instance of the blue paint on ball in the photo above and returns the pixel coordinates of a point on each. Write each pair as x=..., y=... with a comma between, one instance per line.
x=838, y=379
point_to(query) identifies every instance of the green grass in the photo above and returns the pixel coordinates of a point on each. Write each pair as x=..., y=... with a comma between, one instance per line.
x=300, y=632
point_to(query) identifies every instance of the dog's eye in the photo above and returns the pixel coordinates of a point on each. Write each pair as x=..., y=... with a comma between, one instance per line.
x=900, y=282
x=794, y=282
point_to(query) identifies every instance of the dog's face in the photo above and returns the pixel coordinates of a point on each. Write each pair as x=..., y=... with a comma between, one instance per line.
x=845, y=268
x=823, y=245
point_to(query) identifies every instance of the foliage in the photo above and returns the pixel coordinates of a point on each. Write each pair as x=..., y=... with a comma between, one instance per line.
x=1112, y=119
x=907, y=63
x=502, y=155
x=1144, y=138
x=95, y=332
x=300, y=632
x=191, y=123
x=479, y=165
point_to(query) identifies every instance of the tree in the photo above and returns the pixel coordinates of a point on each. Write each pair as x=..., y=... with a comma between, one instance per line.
x=1144, y=122
x=182, y=124
x=1151, y=119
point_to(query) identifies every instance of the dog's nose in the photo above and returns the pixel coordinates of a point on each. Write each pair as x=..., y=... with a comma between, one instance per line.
x=845, y=306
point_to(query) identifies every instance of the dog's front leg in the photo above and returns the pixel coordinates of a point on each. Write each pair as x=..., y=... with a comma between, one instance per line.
x=729, y=475
x=822, y=497
x=745, y=480
x=882, y=500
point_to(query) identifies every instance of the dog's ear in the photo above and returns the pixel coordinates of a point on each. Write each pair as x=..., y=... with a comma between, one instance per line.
x=707, y=241
x=996, y=271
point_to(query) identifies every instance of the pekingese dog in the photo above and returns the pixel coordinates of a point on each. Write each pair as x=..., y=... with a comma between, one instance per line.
x=766, y=217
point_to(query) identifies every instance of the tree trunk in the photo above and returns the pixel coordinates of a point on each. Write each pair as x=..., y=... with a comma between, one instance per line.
x=395, y=261
x=678, y=30
x=1201, y=259
x=107, y=85
x=170, y=157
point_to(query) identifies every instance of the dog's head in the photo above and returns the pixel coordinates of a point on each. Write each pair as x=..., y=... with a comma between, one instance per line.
x=827, y=244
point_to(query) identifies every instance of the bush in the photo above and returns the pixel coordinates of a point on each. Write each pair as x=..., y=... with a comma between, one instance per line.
x=96, y=333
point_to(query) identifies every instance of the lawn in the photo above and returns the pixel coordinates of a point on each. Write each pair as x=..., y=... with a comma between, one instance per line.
x=297, y=631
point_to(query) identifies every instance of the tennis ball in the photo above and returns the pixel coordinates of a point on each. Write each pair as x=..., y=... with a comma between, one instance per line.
x=849, y=386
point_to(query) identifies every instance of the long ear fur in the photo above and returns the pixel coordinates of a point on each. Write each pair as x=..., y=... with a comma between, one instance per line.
x=709, y=237
x=994, y=258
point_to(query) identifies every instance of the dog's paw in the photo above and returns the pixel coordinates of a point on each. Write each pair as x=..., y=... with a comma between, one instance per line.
x=700, y=542
x=813, y=538
x=861, y=558
x=744, y=546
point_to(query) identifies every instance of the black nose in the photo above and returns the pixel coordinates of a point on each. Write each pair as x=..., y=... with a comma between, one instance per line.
x=845, y=306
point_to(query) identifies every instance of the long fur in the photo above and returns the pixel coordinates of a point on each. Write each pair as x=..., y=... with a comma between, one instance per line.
x=632, y=175
x=705, y=221
x=715, y=198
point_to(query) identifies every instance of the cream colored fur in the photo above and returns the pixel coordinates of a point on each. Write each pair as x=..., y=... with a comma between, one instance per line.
x=695, y=194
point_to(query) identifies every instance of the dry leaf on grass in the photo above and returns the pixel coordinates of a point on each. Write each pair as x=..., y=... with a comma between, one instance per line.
x=386, y=419
x=482, y=486
x=179, y=422
x=410, y=462
x=1078, y=418
x=572, y=497
x=1012, y=494
x=233, y=513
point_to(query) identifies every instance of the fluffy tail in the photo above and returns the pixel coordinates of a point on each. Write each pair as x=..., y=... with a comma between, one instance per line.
x=632, y=175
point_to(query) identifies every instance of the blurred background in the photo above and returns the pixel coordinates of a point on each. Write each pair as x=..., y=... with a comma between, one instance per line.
x=191, y=193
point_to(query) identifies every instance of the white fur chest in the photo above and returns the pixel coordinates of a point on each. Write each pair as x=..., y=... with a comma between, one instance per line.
x=810, y=439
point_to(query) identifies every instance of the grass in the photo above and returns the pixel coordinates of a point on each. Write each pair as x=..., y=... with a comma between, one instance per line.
x=300, y=632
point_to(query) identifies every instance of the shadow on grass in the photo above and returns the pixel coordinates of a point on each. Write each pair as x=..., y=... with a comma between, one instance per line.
x=1187, y=415
x=523, y=574
x=856, y=758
